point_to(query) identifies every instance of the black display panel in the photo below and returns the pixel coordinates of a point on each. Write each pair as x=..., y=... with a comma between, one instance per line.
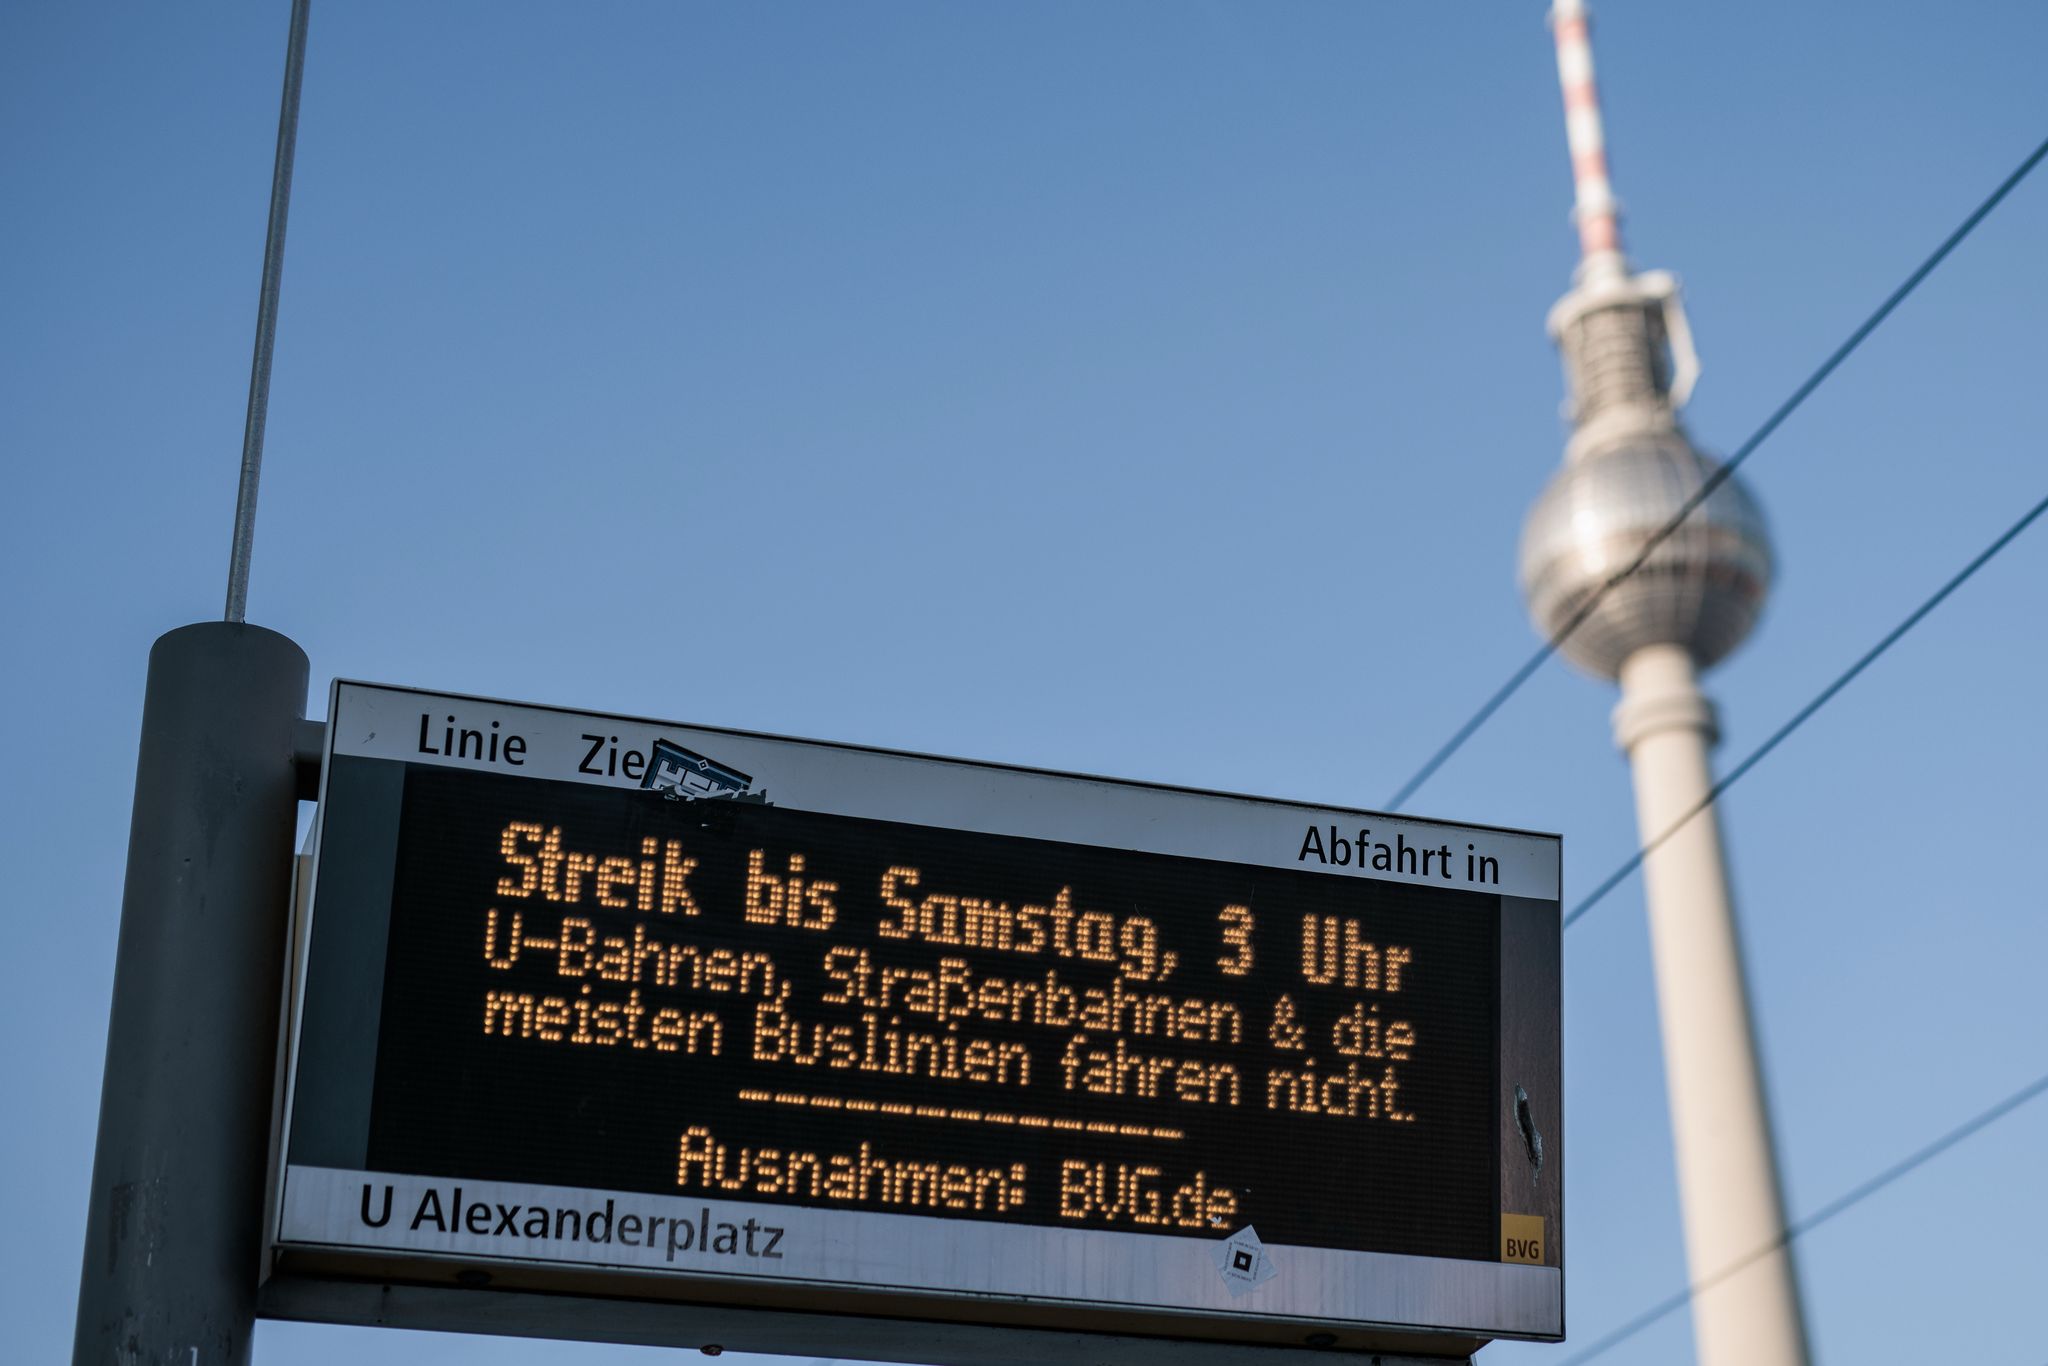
x=616, y=990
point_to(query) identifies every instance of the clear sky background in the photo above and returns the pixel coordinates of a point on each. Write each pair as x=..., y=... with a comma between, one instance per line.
x=1149, y=389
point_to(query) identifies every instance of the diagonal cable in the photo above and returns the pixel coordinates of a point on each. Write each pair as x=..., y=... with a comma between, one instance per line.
x=1717, y=478
x=1805, y=713
x=1840, y=1204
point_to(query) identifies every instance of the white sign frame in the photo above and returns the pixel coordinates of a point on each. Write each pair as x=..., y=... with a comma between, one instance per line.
x=902, y=1264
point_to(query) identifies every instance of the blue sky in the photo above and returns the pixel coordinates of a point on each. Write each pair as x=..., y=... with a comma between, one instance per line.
x=1146, y=389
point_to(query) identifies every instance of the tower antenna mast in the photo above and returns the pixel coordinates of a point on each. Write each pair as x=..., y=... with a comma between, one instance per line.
x=1594, y=207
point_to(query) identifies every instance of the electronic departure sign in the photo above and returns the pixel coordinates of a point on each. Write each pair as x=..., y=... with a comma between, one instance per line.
x=662, y=1012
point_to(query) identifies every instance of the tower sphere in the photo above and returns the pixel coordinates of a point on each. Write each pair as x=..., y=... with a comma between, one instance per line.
x=1702, y=588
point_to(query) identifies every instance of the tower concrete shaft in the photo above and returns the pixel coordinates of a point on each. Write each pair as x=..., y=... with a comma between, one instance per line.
x=1727, y=1169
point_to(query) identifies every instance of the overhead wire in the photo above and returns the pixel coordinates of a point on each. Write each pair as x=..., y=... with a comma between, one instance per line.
x=1805, y=713
x=1664, y=1308
x=1714, y=481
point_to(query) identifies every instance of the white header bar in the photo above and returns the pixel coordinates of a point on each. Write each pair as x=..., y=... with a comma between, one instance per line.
x=409, y=726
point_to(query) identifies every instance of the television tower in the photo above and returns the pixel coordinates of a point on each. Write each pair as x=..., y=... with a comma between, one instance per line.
x=1629, y=466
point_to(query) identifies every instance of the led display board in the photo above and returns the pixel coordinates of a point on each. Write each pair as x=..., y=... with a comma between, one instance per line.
x=647, y=1010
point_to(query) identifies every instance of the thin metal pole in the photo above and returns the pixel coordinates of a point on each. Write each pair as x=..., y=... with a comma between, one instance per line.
x=266, y=318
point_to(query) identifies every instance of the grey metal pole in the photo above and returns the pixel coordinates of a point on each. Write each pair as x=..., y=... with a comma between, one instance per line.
x=266, y=318
x=173, y=1236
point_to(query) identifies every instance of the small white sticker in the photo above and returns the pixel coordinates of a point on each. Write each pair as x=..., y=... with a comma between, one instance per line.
x=1242, y=1260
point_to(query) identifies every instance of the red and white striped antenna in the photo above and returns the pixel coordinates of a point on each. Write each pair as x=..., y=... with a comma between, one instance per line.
x=1596, y=210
